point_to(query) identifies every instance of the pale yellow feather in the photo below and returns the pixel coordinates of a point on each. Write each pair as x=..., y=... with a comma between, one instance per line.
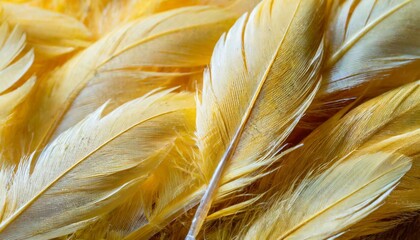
x=262, y=77
x=50, y=34
x=325, y=205
x=92, y=171
x=167, y=49
x=372, y=46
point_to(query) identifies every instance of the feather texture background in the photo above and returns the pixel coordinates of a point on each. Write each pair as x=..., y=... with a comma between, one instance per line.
x=209, y=119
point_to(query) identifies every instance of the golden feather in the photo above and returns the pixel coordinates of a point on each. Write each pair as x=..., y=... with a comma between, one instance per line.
x=15, y=85
x=49, y=33
x=324, y=206
x=373, y=46
x=124, y=65
x=262, y=77
x=101, y=17
x=388, y=123
x=91, y=171
x=305, y=123
x=163, y=187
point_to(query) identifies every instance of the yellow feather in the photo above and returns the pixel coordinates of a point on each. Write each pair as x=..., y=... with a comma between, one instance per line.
x=91, y=171
x=173, y=176
x=373, y=46
x=262, y=77
x=96, y=148
x=387, y=123
x=15, y=85
x=409, y=230
x=50, y=34
x=124, y=65
x=325, y=205
x=103, y=16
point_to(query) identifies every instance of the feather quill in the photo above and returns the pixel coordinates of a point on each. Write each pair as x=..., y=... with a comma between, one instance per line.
x=246, y=172
x=91, y=171
x=124, y=65
x=262, y=77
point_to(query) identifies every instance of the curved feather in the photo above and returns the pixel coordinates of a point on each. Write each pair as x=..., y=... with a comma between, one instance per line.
x=372, y=47
x=388, y=123
x=15, y=61
x=262, y=77
x=170, y=181
x=91, y=171
x=49, y=33
x=165, y=49
x=101, y=18
x=409, y=230
x=343, y=194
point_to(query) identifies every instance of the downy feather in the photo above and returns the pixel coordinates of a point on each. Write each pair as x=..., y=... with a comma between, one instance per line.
x=262, y=77
x=371, y=47
x=92, y=171
x=124, y=65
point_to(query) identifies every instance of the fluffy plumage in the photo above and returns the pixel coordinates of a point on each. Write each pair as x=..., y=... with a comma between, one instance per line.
x=98, y=148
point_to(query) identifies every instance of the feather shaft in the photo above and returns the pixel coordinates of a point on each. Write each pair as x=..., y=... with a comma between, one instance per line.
x=260, y=74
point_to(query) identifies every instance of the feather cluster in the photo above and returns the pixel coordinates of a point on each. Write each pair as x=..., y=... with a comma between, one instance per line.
x=209, y=119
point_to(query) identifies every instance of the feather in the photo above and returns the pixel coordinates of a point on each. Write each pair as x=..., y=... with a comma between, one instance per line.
x=103, y=17
x=174, y=175
x=124, y=65
x=15, y=61
x=407, y=231
x=178, y=204
x=50, y=34
x=388, y=123
x=91, y=171
x=341, y=195
x=235, y=6
x=254, y=93
x=373, y=46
